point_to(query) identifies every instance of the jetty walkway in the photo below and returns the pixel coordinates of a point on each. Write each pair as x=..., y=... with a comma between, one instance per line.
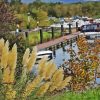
x=57, y=41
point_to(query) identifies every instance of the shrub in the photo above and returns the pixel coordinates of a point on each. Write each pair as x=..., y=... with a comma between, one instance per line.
x=48, y=78
x=83, y=64
x=7, y=19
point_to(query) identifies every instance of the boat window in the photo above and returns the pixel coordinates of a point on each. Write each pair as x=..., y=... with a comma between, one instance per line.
x=88, y=27
x=91, y=28
x=98, y=27
x=84, y=28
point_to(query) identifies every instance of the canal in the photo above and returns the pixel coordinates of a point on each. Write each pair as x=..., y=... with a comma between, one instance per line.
x=61, y=54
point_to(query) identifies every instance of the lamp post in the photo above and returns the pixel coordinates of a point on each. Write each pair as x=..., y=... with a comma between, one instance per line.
x=28, y=26
x=62, y=29
x=52, y=31
x=37, y=24
x=17, y=27
x=70, y=29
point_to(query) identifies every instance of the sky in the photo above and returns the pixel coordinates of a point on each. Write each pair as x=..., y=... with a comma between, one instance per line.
x=67, y=1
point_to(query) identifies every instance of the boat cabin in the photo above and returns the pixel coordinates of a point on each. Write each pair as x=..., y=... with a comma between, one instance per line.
x=91, y=28
x=91, y=31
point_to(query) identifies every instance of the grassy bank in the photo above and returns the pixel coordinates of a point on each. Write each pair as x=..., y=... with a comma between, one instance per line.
x=93, y=94
x=34, y=37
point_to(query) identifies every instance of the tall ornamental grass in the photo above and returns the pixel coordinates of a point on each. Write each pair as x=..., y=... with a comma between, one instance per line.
x=47, y=80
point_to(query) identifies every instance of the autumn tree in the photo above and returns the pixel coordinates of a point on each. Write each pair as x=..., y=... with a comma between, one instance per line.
x=6, y=17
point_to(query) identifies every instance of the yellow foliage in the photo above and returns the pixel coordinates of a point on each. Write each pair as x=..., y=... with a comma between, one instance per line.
x=12, y=57
x=6, y=75
x=50, y=69
x=52, y=88
x=1, y=46
x=83, y=73
x=46, y=70
x=12, y=76
x=94, y=64
x=42, y=67
x=11, y=93
x=32, y=85
x=8, y=62
x=56, y=79
x=4, y=56
x=26, y=57
x=32, y=59
x=64, y=83
x=57, y=75
x=43, y=89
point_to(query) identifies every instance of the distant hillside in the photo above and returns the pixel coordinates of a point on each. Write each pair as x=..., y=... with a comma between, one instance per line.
x=62, y=1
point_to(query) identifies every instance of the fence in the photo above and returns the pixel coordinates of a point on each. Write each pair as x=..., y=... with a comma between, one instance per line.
x=41, y=35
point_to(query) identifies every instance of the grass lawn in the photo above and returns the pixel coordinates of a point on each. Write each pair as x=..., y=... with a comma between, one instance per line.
x=93, y=94
x=34, y=37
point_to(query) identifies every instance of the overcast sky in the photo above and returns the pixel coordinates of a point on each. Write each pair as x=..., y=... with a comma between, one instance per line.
x=67, y=1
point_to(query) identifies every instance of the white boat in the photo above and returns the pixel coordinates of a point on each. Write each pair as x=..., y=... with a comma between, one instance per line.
x=41, y=54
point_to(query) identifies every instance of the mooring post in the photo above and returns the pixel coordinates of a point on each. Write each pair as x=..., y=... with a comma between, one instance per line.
x=41, y=36
x=52, y=29
x=26, y=34
x=71, y=41
x=76, y=26
x=62, y=30
x=70, y=29
x=27, y=39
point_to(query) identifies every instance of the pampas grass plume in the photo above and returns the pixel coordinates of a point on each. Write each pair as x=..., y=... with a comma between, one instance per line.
x=4, y=56
x=26, y=57
x=64, y=83
x=50, y=69
x=32, y=85
x=32, y=59
x=43, y=89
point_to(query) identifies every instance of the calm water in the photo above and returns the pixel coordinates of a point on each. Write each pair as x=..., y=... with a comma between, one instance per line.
x=61, y=54
x=98, y=80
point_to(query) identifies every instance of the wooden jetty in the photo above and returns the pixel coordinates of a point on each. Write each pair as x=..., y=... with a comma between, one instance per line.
x=58, y=40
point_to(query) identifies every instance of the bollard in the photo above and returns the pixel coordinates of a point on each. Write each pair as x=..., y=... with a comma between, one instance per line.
x=27, y=39
x=26, y=34
x=76, y=26
x=70, y=29
x=52, y=29
x=54, y=51
x=61, y=44
x=41, y=36
x=71, y=41
x=62, y=30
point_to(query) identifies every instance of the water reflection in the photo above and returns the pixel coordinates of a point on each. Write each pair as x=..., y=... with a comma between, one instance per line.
x=54, y=53
x=97, y=80
x=61, y=54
